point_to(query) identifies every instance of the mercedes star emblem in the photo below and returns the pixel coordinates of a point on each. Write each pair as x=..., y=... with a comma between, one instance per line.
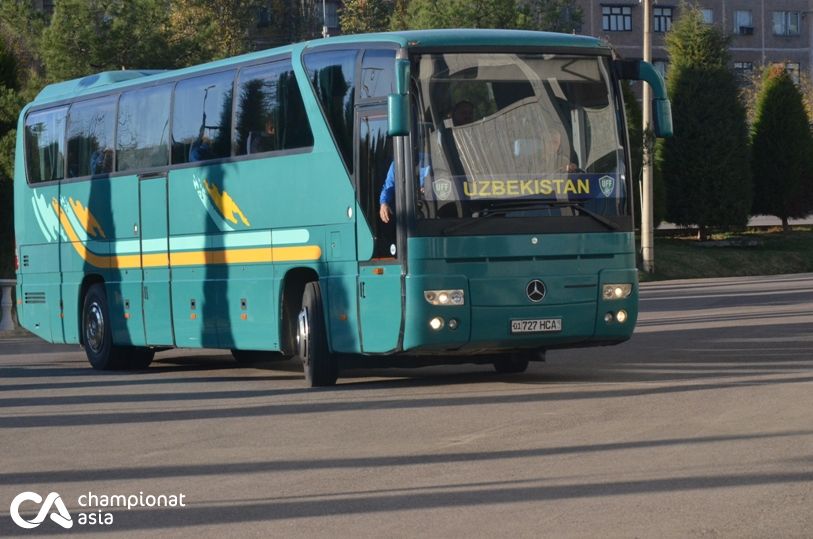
x=535, y=290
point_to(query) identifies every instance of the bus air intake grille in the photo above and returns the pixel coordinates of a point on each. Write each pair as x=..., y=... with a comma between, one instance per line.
x=34, y=297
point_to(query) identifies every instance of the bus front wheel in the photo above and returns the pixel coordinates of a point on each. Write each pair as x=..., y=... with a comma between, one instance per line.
x=321, y=368
x=98, y=337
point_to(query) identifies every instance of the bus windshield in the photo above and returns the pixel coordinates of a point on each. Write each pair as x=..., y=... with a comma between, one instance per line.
x=516, y=135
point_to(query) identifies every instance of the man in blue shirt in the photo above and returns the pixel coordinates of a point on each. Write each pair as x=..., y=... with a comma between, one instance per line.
x=387, y=197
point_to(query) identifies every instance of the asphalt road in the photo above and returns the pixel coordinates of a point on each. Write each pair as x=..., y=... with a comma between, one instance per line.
x=702, y=425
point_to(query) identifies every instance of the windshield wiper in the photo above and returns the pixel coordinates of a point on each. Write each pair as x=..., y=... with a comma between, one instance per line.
x=492, y=210
x=506, y=207
x=579, y=207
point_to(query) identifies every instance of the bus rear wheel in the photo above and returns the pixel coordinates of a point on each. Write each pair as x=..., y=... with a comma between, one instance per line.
x=98, y=337
x=321, y=367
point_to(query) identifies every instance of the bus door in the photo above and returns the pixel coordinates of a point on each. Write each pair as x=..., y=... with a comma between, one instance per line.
x=380, y=267
x=155, y=259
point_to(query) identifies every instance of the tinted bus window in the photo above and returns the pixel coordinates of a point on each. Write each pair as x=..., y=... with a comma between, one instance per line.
x=141, y=141
x=377, y=74
x=91, y=126
x=270, y=114
x=333, y=74
x=45, y=145
x=201, y=118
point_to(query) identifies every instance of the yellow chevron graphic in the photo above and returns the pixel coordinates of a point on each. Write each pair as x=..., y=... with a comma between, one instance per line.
x=225, y=204
x=186, y=258
x=86, y=219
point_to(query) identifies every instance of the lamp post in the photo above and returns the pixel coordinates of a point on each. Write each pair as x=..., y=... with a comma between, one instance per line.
x=324, y=19
x=647, y=224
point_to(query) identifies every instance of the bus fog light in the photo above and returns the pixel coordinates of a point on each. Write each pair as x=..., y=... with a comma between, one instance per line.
x=436, y=323
x=453, y=323
x=616, y=291
x=621, y=316
x=608, y=317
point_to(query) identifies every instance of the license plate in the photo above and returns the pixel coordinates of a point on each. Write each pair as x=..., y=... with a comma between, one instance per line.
x=536, y=325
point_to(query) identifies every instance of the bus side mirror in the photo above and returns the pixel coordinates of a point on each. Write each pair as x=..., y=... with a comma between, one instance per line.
x=398, y=102
x=661, y=107
x=662, y=118
x=398, y=115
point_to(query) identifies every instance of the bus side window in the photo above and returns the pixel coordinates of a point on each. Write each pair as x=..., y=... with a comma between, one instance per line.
x=333, y=75
x=91, y=125
x=45, y=145
x=270, y=114
x=201, y=118
x=377, y=74
x=141, y=141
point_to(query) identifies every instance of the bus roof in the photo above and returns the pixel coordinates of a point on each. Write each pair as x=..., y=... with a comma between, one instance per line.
x=111, y=80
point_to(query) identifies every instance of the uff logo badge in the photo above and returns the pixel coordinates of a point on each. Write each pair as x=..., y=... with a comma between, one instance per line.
x=607, y=185
x=442, y=188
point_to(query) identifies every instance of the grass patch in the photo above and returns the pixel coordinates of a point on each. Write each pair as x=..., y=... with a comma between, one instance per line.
x=756, y=252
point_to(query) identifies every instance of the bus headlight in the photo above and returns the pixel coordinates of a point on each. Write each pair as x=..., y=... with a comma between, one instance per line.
x=445, y=297
x=616, y=291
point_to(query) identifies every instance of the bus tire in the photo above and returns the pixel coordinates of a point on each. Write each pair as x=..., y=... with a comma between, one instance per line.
x=96, y=333
x=515, y=363
x=320, y=366
x=248, y=357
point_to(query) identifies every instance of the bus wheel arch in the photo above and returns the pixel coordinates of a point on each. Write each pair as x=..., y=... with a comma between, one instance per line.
x=293, y=287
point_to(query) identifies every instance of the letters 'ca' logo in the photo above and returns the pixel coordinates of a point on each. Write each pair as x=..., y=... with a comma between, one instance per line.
x=60, y=515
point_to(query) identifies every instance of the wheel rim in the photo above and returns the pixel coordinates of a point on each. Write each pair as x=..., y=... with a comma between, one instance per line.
x=302, y=332
x=94, y=327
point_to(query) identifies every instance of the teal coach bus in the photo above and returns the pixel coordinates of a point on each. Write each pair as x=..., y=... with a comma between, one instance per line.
x=412, y=197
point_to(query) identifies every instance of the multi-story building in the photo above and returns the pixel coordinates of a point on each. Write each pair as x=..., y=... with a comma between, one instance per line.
x=763, y=31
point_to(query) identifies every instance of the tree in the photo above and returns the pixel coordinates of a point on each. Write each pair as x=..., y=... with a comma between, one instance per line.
x=399, y=20
x=553, y=15
x=88, y=36
x=424, y=14
x=706, y=165
x=782, y=150
x=363, y=16
x=9, y=109
x=203, y=30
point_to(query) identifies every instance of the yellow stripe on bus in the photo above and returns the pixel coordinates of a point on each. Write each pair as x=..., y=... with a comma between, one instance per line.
x=189, y=258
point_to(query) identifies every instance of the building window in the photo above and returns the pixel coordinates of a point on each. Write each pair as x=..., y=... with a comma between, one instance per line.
x=616, y=18
x=743, y=22
x=708, y=15
x=793, y=69
x=663, y=19
x=786, y=23
x=744, y=70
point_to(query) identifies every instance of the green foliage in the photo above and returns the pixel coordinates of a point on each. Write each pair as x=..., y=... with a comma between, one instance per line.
x=782, y=149
x=88, y=36
x=363, y=16
x=399, y=20
x=706, y=165
x=552, y=15
x=424, y=14
x=204, y=30
x=21, y=29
